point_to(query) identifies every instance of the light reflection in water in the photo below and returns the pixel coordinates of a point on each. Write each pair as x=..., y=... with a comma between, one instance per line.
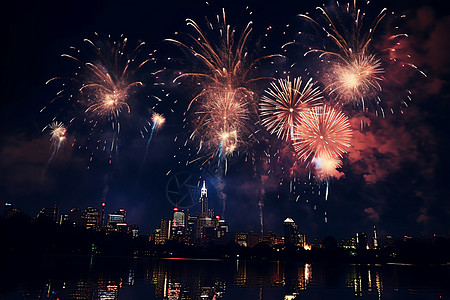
x=108, y=279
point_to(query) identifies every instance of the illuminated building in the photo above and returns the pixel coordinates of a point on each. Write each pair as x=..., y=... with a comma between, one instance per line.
x=9, y=210
x=117, y=221
x=91, y=217
x=222, y=228
x=246, y=239
x=107, y=289
x=207, y=224
x=291, y=235
x=191, y=229
x=75, y=216
x=64, y=219
x=361, y=240
x=48, y=212
x=164, y=232
x=271, y=239
x=204, y=200
x=375, y=238
x=133, y=229
x=178, y=225
x=102, y=216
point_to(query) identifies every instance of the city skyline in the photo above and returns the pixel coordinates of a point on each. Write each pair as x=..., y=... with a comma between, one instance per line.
x=394, y=177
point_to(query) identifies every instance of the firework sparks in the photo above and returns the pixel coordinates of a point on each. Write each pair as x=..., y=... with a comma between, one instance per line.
x=221, y=122
x=57, y=136
x=158, y=120
x=109, y=80
x=283, y=105
x=225, y=63
x=324, y=133
x=356, y=71
x=225, y=105
x=356, y=79
x=100, y=89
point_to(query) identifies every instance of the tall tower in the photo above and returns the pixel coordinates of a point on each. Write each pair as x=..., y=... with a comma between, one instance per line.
x=375, y=238
x=102, y=216
x=204, y=199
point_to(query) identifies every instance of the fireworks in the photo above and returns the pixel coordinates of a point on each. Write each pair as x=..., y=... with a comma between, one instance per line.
x=324, y=133
x=99, y=89
x=225, y=63
x=356, y=71
x=224, y=111
x=158, y=120
x=57, y=136
x=108, y=81
x=283, y=105
x=221, y=121
x=356, y=79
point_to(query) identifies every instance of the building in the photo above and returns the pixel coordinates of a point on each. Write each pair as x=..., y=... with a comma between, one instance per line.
x=291, y=234
x=246, y=239
x=271, y=239
x=9, y=210
x=91, y=217
x=75, y=216
x=48, y=212
x=178, y=225
x=133, y=229
x=361, y=241
x=204, y=200
x=102, y=216
x=164, y=232
x=117, y=221
x=191, y=229
x=375, y=243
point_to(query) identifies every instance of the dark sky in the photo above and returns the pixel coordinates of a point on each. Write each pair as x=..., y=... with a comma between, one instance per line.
x=395, y=176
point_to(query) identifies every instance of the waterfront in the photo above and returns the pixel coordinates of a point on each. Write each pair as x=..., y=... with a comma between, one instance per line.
x=104, y=278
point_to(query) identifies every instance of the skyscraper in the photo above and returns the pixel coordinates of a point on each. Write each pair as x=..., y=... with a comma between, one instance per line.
x=375, y=238
x=361, y=240
x=290, y=232
x=165, y=230
x=178, y=224
x=91, y=217
x=102, y=216
x=117, y=221
x=204, y=199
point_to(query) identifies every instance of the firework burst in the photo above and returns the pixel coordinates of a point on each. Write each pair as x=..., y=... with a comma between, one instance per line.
x=158, y=120
x=57, y=136
x=108, y=80
x=356, y=69
x=99, y=88
x=283, y=105
x=221, y=120
x=324, y=133
x=224, y=111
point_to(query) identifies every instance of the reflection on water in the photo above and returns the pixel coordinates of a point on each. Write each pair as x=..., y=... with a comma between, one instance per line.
x=124, y=278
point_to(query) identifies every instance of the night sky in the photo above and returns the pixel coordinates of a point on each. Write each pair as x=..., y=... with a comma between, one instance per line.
x=394, y=177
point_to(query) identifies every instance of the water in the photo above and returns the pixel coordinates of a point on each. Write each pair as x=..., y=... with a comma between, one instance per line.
x=140, y=278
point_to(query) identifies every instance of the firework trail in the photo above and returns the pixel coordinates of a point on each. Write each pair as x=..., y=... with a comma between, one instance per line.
x=158, y=120
x=283, y=105
x=57, y=136
x=356, y=70
x=322, y=138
